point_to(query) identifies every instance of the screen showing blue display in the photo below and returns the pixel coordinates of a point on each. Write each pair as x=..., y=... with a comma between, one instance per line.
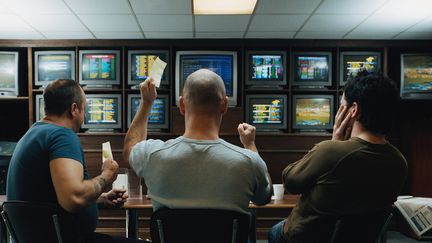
x=157, y=112
x=54, y=66
x=221, y=64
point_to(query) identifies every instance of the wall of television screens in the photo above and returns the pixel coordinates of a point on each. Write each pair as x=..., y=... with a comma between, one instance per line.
x=280, y=89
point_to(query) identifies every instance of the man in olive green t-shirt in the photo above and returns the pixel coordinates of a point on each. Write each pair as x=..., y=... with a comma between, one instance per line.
x=357, y=171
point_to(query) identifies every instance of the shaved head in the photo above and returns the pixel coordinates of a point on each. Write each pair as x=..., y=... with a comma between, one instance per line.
x=204, y=90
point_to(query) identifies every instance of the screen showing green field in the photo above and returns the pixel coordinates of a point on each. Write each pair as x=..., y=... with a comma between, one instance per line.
x=8, y=70
x=314, y=112
x=417, y=73
x=102, y=110
x=99, y=67
x=267, y=111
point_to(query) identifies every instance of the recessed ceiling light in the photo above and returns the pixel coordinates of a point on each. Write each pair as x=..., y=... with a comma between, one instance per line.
x=202, y=7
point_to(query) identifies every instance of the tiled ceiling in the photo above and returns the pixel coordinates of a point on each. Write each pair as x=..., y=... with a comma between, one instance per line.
x=166, y=19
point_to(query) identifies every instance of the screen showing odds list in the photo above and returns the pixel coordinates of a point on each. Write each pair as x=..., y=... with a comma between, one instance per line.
x=266, y=67
x=102, y=111
x=54, y=66
x=220, y=64
x=142, y=64
x=312, y=68
x=99, y=67
x=356, y=63
x=267, y=113
x=157, y=112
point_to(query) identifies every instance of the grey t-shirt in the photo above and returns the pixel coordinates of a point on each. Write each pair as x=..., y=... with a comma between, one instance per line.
x=188, y=173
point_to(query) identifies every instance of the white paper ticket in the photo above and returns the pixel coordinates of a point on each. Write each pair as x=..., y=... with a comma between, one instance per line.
x=157, y=70
x=106, y=151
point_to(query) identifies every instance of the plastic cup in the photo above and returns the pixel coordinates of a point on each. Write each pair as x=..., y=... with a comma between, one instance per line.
x=278, y=190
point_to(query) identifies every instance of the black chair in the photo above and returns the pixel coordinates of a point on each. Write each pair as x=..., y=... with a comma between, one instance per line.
x=362, y=228
x=199, y=225
x=29, y=222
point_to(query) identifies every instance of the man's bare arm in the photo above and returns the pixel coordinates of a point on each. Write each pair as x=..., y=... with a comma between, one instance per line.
x=72, y=190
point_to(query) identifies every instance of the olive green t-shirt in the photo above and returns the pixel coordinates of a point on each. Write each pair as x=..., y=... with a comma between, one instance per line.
x=340, y=178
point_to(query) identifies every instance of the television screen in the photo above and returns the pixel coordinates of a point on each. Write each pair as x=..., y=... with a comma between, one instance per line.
x=266, y=68
x=103, y=111
x=99, y=67
x=158, y=118
x=267, y=112
x=312, y=69
x=354, y=62
x=53, y=65
x=313, y=112
x=416, y=76
x=140, y=64
x=40, y=107
x=224, y=63
x=8, y=73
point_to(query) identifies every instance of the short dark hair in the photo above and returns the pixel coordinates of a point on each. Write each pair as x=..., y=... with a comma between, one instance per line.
x=378, y=99
x=60, y=95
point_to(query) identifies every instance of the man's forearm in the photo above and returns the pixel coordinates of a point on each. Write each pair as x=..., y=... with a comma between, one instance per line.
x=137, y=130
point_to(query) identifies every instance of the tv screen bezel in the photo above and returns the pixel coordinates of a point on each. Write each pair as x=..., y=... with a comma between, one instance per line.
x=164, y=82
x=267, y=127
x=11, y=91
x=38, y=82
x=342, y=56
x=118, y=125
x=232, y=100
x=295, y=82
x=305, y=127
x=150, y=126
x=38, y=99
x=413, y=95
x=266, y=82
x=99, y=81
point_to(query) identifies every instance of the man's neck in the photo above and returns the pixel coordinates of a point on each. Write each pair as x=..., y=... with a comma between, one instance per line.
x=202, y=127
x=360, y=132
x=59, y=121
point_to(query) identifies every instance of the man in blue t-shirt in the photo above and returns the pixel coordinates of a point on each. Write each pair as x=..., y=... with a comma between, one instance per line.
x=48, y=166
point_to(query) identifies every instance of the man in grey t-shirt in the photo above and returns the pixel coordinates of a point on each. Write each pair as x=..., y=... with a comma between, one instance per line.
x=198, y=169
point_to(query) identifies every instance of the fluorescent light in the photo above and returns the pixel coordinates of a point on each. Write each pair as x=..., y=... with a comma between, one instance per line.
x=216, y=7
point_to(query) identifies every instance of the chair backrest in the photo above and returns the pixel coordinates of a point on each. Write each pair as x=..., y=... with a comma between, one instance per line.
x=29, y=222
x=199, y=225
x=362, y=228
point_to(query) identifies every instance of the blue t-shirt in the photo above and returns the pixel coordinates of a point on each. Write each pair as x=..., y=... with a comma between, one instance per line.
x=29, y=177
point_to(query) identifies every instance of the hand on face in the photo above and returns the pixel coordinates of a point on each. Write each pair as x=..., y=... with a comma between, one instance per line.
x=343, y=123
x=148, y=90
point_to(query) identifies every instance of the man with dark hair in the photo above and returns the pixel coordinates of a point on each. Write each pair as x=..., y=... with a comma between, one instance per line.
x=48, y=166
x=198, y=169
x=358, y=171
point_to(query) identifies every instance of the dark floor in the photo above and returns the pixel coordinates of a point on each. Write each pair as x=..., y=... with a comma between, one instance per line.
x=392, y=237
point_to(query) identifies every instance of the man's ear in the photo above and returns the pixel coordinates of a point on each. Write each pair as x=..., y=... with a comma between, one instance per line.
x=74, y=110
x=355, y=110
x=182, y=105
x=224, y=105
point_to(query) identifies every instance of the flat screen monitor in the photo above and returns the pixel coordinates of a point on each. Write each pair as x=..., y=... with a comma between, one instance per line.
x=224, y=63
x=353, y=62
x=266, y=68
x=416, y=76
x=53, y=65
x=8, y=73
x=40, y=107
x=312, y=69
x=313, y=112
x=140, y=63
x=159, y=113
x=103, y=111
x=267, y=112
x=99, y=68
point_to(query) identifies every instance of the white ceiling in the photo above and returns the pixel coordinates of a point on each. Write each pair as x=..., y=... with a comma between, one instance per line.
x=150, y=19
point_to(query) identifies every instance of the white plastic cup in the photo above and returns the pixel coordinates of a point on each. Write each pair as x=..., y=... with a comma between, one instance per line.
x=278, y=190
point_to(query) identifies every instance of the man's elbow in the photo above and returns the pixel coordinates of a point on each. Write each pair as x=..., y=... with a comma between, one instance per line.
x=73, y=204
x=293, y=186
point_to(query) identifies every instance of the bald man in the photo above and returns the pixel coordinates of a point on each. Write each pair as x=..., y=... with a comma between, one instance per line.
x=198, y=169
